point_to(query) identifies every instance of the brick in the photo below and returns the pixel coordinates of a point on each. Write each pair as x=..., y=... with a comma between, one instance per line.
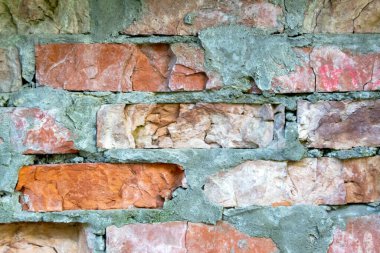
x=330, y=69
x=340, y=70
x=124, y=67
x=102, y=186
x=42, y=238
x=339, y=124
x=313, y=181
x=187, y=125
x=190, y=18
x=38, y=16
x=301, y=80
x=33, y=131
x=360, y=16
x=223, y=237
x=10, y=70
x=362, y=234
x=177, y=237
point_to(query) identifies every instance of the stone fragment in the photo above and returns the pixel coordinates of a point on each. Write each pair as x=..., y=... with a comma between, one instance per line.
x=360, y=16
x=316, y=181
x=124, y=67
x=339, y=124
x=187, y=125
x=42, y=238
x=181, y=237
x=43, y=17
x=33, y=131
x=10, y=70
x=86, y=186
x=171, y=17
x=362, y=234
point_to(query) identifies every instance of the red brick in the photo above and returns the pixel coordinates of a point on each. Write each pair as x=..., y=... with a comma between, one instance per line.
x=59, y=187
x=33, y=131
x=224, y=238
x=203, y=14
x=124, y=67
x=362, y=234
x=339, y=124
x=310, y=181
x=177, y=237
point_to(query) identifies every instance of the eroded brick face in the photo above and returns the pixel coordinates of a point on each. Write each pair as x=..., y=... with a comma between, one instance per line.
x=42, y=238
x=195, y=15
x=124, y=67
x=362, y=234
x=97, y=186
x=38, y=16
x=339, y=124
x=359, y=16
x=34, y=131
x=330, y=69
x=10, y=70
x=187, y=125
x=310, y=181
x=182, y=237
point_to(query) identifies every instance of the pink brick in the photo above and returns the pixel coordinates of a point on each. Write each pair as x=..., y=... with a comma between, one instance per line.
x=362, y=234
x=181, y=237
x=34, y=131
x=203, y=14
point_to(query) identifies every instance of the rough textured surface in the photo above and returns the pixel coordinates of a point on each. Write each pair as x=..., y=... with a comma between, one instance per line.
x=34, y=131
x=182, y=237
x=339, y=125
x=329, y=69
x=10, y=70
x=39, y=16
x=338, y=70
x=124, y=67
x=42, y=238
x=362, y=234
x=188, y=19
x=97, y=186
x=187, y=126
x=360, y=16
x=309, y=181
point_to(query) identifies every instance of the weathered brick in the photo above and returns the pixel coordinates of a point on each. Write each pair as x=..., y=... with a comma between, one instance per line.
x=10, y=70
x=309, y=181
x=171, y=17
x=330, y=69
x=39, y=16
x=359, y=16
x=339, y=124
x=102, y=186
x=339, y=70
x=124, y=67
x=362, y=234
x=187, y=125
x=33, y=131
x=177, y=237
x=42, y=238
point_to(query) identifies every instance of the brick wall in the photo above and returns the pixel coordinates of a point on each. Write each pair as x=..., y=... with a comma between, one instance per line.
x=189, y=126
